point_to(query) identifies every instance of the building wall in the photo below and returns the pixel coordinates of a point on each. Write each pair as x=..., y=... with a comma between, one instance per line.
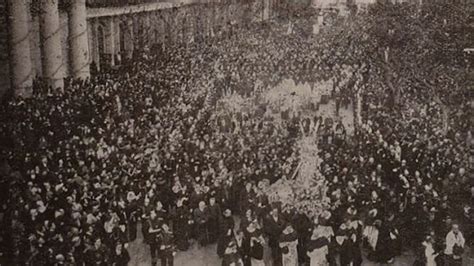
x=152, y=23
x=4, y=51
x=35, y=47
x=35, y=44
x=160, y=25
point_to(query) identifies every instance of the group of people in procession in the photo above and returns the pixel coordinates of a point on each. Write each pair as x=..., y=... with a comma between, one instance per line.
x=142, y=147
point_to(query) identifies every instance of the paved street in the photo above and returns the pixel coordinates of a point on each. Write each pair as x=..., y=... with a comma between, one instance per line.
x=195, y=256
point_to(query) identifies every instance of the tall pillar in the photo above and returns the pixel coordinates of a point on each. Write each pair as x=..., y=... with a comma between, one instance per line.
x=20, y=58
x=211, y=21
x=94, y=24
x=266, y=9
x=78, y=40
x=110, y=39
x=358, y=108
x=130, y=45
x=51, y=44
x=147, y=29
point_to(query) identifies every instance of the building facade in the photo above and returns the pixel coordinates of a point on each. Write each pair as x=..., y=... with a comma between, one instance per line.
x=54, y=39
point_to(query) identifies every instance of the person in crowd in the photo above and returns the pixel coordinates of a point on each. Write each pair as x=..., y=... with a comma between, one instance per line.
x=154, y=235
x=318, y=247
x=454, y=246
x=120, y=257
x=226, y=232
x=167, y=246
x=215, y=214
x=145, y=211
x=247, y=219
x=231, y=256
x=243, y=246
x=88, y=164
x=131, y=212
x=97, y=254
x=429, y=252
x=387, y=242
x=288, y=243
x=201, y=219
x=273, y=227
x=247, y=198
x=161, y=213
x=326, y=229
x=182, y=224
x=255, y=245
x=347, y=237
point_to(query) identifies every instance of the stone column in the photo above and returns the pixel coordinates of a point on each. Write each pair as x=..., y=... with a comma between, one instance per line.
x=273, y=8
x=358, y=109
x=266, y=9
x=204, y=23
x=94, y=23
x=78, y=40
x=147, y=29
x=110, y=40
x=130, y=43
x=51, y=44
x=20, y=58
x=270, y=9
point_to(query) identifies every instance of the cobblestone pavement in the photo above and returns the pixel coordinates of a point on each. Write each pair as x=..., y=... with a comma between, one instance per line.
x=206, y=256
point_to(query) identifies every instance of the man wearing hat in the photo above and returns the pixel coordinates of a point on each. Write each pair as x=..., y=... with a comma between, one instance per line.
x=120, y=255
x=131, y=211
x=255, y=241
x=429, y=254
x=387, y=247
x=214, y=219
x=230, y=256
x=247, y=197
x=454, y=246
x=60, y=259
x=167, y=246
x=77, y=250
x=273, y=226
x=201, y=219
x=226, y=232
x=347, y=240
x=154, y=235
x=288, y=243
x=97, y=254
x=182, y=222
x=318, y=247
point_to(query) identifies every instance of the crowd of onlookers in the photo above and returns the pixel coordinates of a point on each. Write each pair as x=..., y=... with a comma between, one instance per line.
x=83, y=168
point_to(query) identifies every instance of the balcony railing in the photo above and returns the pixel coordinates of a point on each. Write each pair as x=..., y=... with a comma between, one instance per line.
x=117, y=3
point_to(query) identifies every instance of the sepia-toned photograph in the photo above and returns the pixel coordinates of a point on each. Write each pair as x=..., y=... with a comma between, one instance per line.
x=237, y=132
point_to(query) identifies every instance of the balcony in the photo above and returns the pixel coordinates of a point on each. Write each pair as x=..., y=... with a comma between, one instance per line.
x=119, y=3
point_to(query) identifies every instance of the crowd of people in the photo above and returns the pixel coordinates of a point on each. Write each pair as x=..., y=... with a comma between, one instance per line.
x=142, y=148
